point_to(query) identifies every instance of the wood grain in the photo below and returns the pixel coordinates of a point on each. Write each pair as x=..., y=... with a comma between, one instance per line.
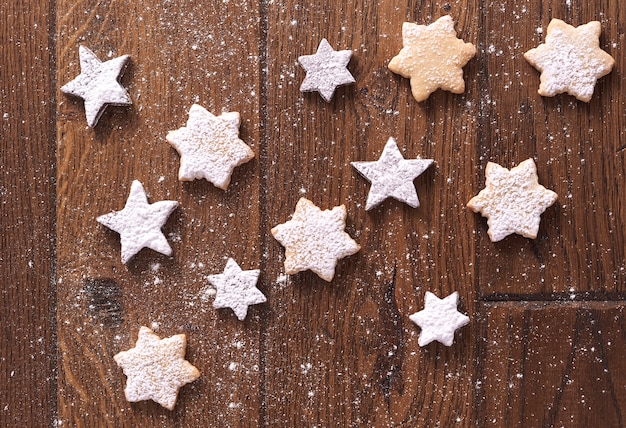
x=553, y=364
x=347, y=350
x=27, y=176
x=576, y=147
x=544, y=345
x=181, y=53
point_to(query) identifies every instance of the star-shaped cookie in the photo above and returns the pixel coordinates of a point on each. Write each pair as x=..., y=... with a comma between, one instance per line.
x=326, y=70
x=432, y=57
x=209, y=146
x=570, y=60
x=236, y=289
x=139, y=223
x=512, y=201
x=156, y=368
x=439, y=319
x=98, y=84
x=315, y=239
x=392, y=176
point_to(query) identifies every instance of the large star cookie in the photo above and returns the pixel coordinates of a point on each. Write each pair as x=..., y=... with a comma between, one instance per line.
x=315, y=239
x=326, y=70
x=432, y=57
x=439, y=319
x=156, y=368
x=236, y=289
x=139, y=223
x=392, y=176
x=98, y=84
x=209, y=146
x=570, y=60
x=512, y=201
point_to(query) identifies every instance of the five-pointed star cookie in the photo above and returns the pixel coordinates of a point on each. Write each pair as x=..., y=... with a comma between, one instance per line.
x=326, y=70
x=139, y=223
x=315, y=239
x=209, y=146
x=512, y=201
x=439, y=319
x=570, y=60
x=432, y=57
x=98, y=84
x=156, y=368
x=236, y=289
x=392, y=176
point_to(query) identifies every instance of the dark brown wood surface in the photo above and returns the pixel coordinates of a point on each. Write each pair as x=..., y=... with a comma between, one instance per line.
x=545, y=343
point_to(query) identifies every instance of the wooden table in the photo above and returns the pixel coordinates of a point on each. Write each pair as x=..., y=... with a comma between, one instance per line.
x=546, y=341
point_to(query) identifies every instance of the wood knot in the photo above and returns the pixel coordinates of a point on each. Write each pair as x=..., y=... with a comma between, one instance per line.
x=104, y=301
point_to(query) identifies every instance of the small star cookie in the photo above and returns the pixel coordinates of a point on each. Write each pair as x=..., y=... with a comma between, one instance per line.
x=139, y=223
x=392, y=176
x=570, y=60
x=512, y=201
x=98, y=84
x=236, y=289
x=315, y=239
x=432, y=57
x=209, y=146
x=156, y=368
x=326, y=70
x=439, y=319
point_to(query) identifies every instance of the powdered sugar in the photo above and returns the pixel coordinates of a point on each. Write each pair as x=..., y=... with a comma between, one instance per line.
x=315, y=239
x=139, y=223
x=236, y=289
x=392, y=176
x=512, y=201
x=571, y=59
x=439, y=319
x=326, y=70
x=156, y=368
x=209, y=146
x=97, y=84
x=432, y=57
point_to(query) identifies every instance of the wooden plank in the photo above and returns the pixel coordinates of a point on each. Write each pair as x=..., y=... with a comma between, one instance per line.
x=578, y=148
x=345, y=353
x=27, y=342
x=181, y=53
x=553, y=364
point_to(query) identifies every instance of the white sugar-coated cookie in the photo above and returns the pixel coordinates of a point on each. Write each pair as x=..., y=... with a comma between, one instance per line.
x=570, y=60
x=236, y=289
x=392, y=176
x=98, y=84
x=156, y=368
x=432, y=57
x=315, y=240
x=439, y=319
x=209, y=146
x=139, y=223
x=326, y=70
x=512, y=201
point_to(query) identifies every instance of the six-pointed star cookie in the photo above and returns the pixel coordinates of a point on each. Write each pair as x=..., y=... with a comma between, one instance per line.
x=156, y=368
x=236, y=289
x=432, y=57
x=139, y=223
x=570, y=60
x=512, y=201
x=98, y=84
x=392, y=176
x=439, y=319
x=315, y=239
x=326, y=70
x=209, y=146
